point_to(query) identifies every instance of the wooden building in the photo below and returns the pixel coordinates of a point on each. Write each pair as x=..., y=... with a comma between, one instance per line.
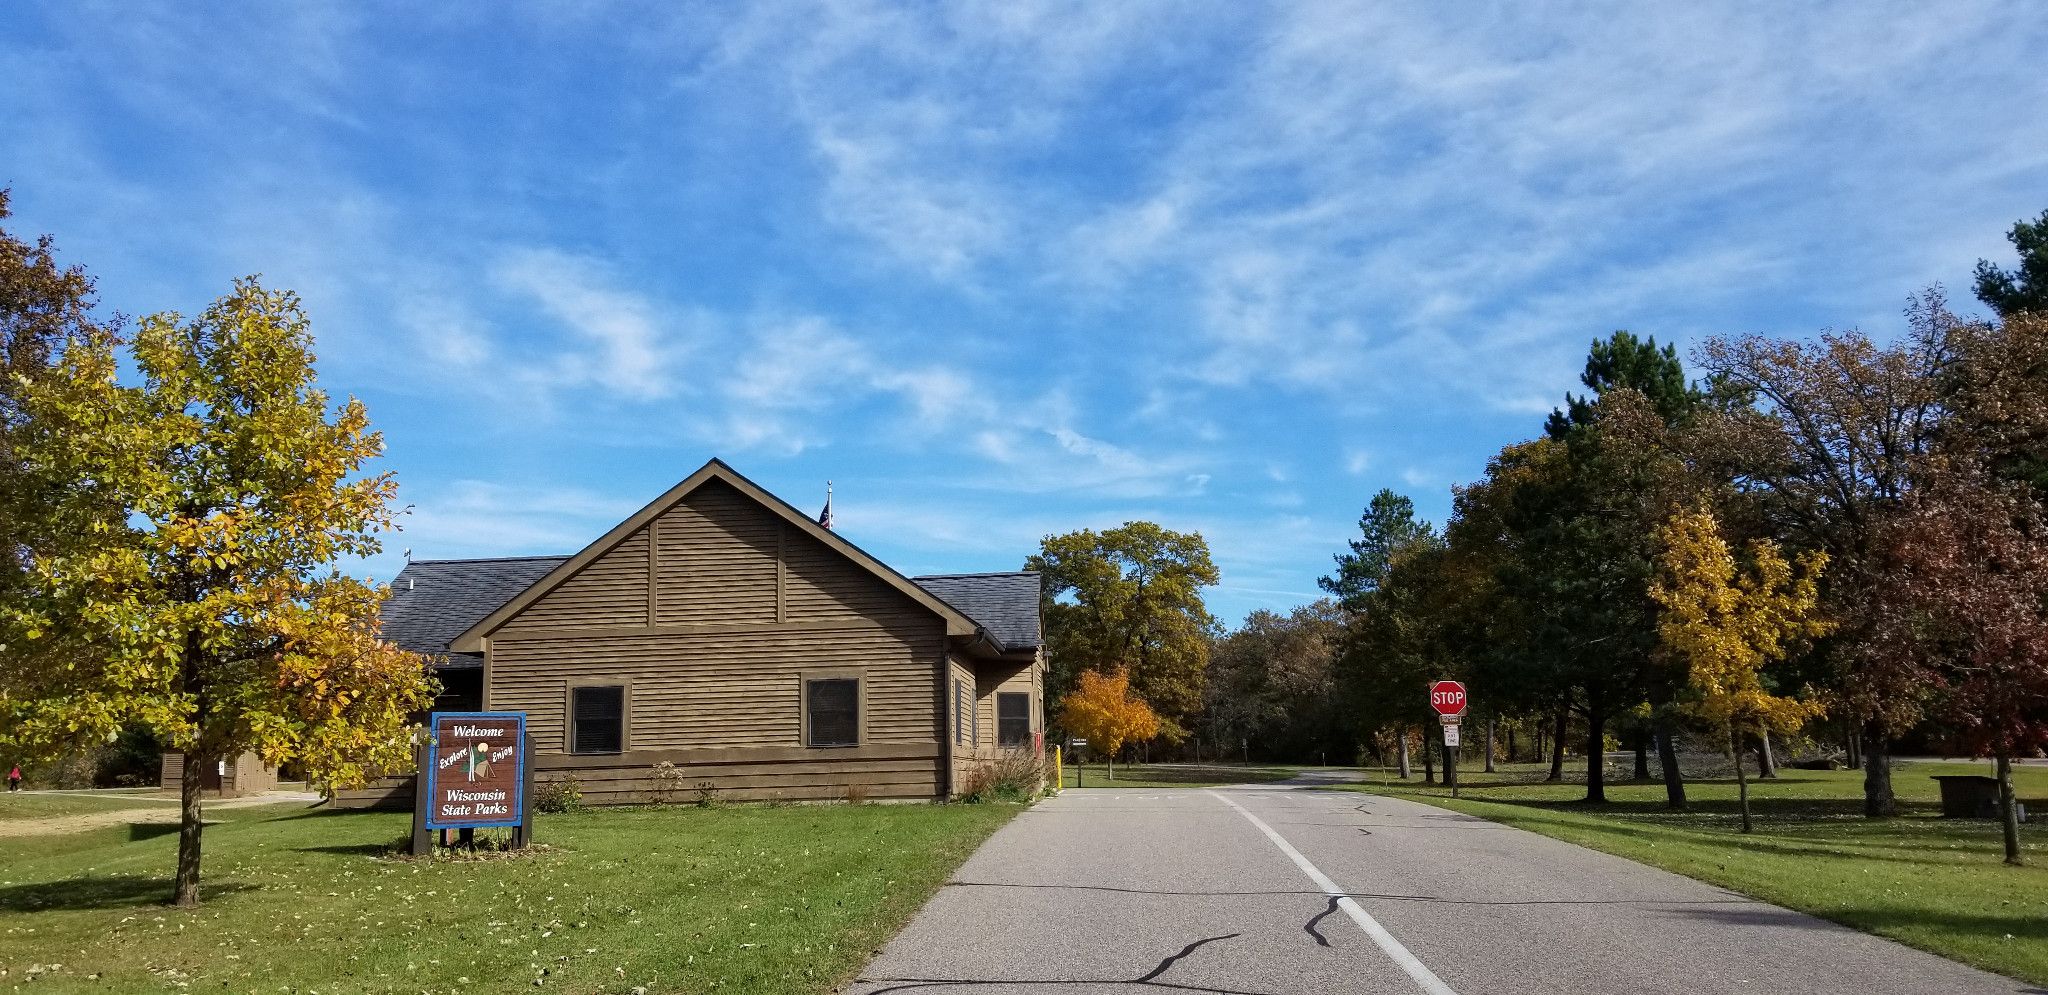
x=726, y=633
x=243, y=775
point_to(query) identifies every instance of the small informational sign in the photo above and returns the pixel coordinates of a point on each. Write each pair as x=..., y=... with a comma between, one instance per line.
x=1076, y=743
x=476, y=777
x=1447, y=697
x=1451, y=735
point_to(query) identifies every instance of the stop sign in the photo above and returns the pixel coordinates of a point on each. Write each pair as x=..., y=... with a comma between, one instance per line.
x=1447, y=697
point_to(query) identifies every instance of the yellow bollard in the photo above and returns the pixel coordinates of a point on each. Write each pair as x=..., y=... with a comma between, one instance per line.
x=1059, y=772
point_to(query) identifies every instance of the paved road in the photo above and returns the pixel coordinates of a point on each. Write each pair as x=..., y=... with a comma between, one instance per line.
x=1278, y=890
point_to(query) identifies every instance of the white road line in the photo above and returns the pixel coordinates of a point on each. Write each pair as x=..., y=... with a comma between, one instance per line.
x=1423, y=976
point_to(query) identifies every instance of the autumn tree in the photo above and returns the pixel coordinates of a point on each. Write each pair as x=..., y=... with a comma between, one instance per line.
x=1130, y=598
x=1273, y=682
x=212, y=602
x=1827, y=445
x=45, y=308
x=1969, y=564
x=1103, y=710
x=1967, y=561
x=1726, y=623
x=1387, y=526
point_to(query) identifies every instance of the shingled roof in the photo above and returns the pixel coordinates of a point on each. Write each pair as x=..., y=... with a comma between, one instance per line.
x=1004, y=604
x=433, y=601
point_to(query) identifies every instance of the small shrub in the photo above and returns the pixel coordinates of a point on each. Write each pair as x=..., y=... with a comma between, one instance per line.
x=668, y=783
x=557, y=797
x=707, y=795
x=1011, y=776
x=856, y=794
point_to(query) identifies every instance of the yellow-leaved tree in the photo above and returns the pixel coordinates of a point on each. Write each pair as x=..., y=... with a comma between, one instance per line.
x=206, y=596
x=1724, y=623
x=1103, y=710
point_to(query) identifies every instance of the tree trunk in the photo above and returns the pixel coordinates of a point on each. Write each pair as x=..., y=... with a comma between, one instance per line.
x=1667, y=758
x=2008, y=811
x=1878, y=801
x=1642, y=771
x=1428, y=758
x=1855, y=749
x=1766, y=764
x=1489, y=745
x=1596, y=751
x=1557, y=747
x=1511, y=744
x=1741, y=781
x=185, y=890
x=1406, y=773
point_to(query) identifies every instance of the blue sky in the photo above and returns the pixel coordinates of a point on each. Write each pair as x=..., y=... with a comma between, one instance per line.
x=1006, y=269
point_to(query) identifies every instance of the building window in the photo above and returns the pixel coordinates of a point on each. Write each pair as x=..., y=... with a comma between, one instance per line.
x=597, y=718
x=1013, y=718
x=959, y=711
x=832, y=711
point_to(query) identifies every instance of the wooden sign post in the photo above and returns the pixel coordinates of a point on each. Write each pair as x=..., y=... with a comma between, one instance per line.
x=474, y=773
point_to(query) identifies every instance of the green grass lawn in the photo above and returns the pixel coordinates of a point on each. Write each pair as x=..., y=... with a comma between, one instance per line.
x=758, y=900
x=1937, y=884
x=1171, y=775
x=25, y=805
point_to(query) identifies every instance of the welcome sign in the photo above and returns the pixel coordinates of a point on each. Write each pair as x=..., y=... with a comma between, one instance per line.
x=475, y=770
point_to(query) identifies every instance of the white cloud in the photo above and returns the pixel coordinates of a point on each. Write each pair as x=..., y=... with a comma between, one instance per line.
x=469, y=517
x=628, y=351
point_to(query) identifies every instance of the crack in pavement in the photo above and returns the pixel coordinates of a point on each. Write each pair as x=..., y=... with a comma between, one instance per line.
x=1148, y=980
x=1434, y=899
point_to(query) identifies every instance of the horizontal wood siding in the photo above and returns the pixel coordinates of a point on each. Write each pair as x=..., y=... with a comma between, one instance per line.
x=821, y=584
x=764, y=774
x=726, y=689
x=611, y=590
x=896, y=771
x=744, y=606
x=716, y=559
x=390, y=793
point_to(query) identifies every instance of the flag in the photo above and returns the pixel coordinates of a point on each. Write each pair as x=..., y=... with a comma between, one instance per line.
x=825, y=517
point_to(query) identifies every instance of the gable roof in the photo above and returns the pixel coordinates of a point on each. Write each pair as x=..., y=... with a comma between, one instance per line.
x=433, y=601
x=1005, y=604
x=470, y=640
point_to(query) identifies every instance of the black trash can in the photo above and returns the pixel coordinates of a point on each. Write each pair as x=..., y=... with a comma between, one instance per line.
x=1968, y=796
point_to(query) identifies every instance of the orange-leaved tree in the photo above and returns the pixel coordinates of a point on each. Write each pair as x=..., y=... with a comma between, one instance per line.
x=1724, y=624
x=1103, y=710
x=210, y=597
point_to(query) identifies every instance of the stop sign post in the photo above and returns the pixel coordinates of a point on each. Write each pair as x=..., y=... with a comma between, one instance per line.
x=1449, y=700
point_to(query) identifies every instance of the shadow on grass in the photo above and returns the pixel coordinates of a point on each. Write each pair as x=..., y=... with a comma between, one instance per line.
x=1900, y=841
x=2019, y=926
x=100, y=893
x=387, y=848
x=139, y=831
